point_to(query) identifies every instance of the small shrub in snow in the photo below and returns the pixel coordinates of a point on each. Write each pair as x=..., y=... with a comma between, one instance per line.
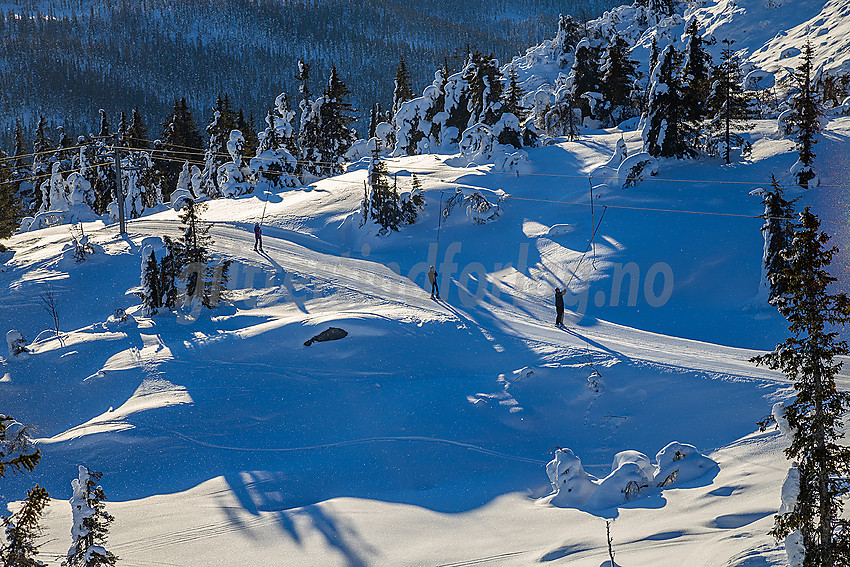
x=16, y=342
x=635, y=168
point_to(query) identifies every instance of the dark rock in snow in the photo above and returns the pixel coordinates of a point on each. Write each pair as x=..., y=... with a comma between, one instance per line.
x=329, y=334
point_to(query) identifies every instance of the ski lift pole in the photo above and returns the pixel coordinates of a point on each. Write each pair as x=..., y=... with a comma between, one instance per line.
x=119, y=189
x=263, y=216
x=439, y=224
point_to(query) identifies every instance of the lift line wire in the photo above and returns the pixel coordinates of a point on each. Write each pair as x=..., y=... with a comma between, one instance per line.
x=201, y=153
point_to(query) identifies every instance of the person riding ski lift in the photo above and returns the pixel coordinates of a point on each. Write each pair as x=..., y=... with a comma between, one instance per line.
x=432, y=277
x=258, y=237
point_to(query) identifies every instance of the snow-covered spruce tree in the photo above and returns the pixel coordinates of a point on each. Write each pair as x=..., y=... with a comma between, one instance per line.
x=568, y=36
x=25, y=189
x=91, y=522
x=512, y=97
x=585, y=76
x=274, y=165
x=335, y=135
x=731, y=106
x=374, y=119
x=665, y=132
x=419, y=121
x=383, y=200
x=137, y=132
x=403, y=91
x=22, y=529
x=563, y=116
x=123, y=127
x=105, y=128
x=10, y=207
x=484, y=78
x=222, y=123
x=42, y=161
x=456, y=106
x=413, y=202
x=619, y=72
x=309, y=131
x=151, y=294
x=233, y=176
x=805, y=118
x=136, y=168
x=696, y=74
x=778, y=232
x=283, y=124
x=170, y=267
x=16, y=449
x=808, y=359
x=246, y=126
x=196, y=240
x=181, y=141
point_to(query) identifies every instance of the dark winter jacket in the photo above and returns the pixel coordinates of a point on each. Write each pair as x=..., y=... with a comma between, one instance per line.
x=559, y=300
x=257, y=230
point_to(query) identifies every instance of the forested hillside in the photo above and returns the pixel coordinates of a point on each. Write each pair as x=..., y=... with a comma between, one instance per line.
x=67, y=59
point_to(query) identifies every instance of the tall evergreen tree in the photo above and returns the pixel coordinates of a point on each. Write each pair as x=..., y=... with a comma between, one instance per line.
x=21, y=175
x=123, y=129
x=91, y=523
x=512, y=98
x=309, y=133
x=222, y=123
x=181, y=142
x=778, y=232
x=665, y=132
x=403, y=90
x=383, y=200
x=10, y=206
x=22, y=529
x=104, y=129
x=805, y=118
x=137, y=132
x=335, y=118
x=246, y=126
x=151, y=294
x=618, y=76
x=697, y=74
x=484, y=78
x=728, y=101
x=196, y=238
x=374, y=119
x=815, y=418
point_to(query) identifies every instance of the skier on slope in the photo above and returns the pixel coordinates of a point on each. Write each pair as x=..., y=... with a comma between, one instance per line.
x=258, y=237
x=432, y=277
x=559, y=307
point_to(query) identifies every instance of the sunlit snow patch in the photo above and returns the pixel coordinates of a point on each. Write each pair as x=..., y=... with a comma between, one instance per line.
x=151, y=394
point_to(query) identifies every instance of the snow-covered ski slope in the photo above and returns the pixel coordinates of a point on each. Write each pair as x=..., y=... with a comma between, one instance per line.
x=421, y=437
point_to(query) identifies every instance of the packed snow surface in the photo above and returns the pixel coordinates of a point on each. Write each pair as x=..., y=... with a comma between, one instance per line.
x=423, y=436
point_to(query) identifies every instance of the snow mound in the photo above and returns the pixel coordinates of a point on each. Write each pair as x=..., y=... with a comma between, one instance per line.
x=679, y=463
x=635, y=169
x=631, y=474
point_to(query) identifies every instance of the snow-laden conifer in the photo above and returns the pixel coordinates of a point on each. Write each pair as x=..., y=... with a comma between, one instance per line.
x=665, y=132
x=90, y=522
x=22, y=529
x=809, y=359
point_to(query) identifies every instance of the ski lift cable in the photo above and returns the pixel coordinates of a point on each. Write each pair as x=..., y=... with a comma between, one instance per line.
x=592, y=236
